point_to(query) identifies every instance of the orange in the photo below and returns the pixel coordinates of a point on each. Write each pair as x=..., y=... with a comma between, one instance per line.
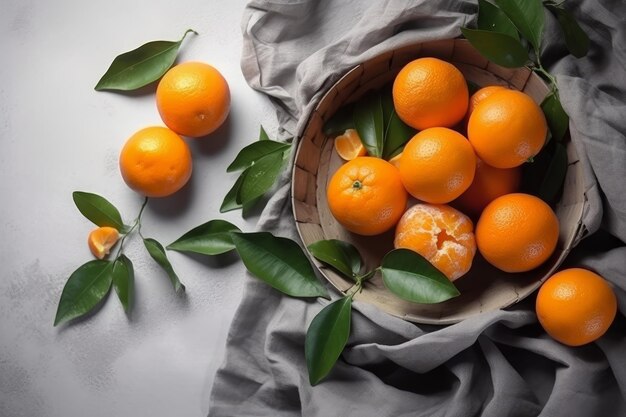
x=193, y=99
x=429, y=92
x=155, y=162
x=101, y=240
x=366, y=196
x=517, y=232
x=349, y=145
x=489, y=183
x=437, y=165
x=576, y=306
x=441, y=234
x=479, y=96
x=507, y=128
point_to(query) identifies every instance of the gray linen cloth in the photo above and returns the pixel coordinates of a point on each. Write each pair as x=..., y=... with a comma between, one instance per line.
x=499, y=363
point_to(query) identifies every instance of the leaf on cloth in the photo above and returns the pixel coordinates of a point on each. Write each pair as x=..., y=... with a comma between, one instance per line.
x=576, y=39
x=326, y=338
x=279, y=262
x=141, y=66
x=491, y=18
x=210, y=238
x=411, y=277
x=528, y=18
x=502, y=49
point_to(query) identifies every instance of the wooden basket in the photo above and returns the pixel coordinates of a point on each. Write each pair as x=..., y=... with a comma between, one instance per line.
x=484, y=288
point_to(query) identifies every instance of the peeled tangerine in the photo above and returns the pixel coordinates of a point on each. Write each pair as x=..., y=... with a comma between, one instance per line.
x=101, y=240
x=441, y=234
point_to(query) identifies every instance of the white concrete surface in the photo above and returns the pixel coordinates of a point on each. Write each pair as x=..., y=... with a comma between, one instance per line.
x=58, y=135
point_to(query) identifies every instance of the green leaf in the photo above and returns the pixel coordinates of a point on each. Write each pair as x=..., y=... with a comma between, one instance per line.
x=279, y=262
x=497, y=47
x=157, y=252
x=252, y=153
x=260, y=177
x=411, y=277
x=342, y=256
x=98, y=210
x=124, y=281
x=555, y=175
x=84, y=289
x=210, y=238
x=230, y=200
x=558, y=121
x=576, y=39
x=397, y=133
x=368, y=120
x=141, y=66
x=491, y=18
x=340, y=122
x=527, y=16
x=326, y=337
x=263, y=135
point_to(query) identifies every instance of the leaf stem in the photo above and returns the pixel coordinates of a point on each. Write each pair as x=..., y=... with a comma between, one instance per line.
x=136, y=224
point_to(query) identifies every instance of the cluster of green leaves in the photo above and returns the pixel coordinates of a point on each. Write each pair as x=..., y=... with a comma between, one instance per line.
x=89, y=285
x=374, y=117
x=510, y=33
x=282, y=264
x=141, y=66
x=261, y=163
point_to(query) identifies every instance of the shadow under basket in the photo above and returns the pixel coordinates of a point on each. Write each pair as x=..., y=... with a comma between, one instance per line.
x=483, y=288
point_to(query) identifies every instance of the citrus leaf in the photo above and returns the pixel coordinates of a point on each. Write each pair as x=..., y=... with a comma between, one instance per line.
x=157, y=252
x=491, y=18
x=397, y=133
x=98, y=210
x=124, y=281
x=340, y=122
x=576, y=39
x=254, y=152
x=411, y=277
x=230, y=199
x=326, y=337
x=555, y=175
x=497, y=47
x=558, y=121
x=527, y=16
x=260, y=177
x=280, y=262
x=84, y=289
x=342, y=256
x=210, y=238
x=263, y=134
x=141, y=66
x=368, y=121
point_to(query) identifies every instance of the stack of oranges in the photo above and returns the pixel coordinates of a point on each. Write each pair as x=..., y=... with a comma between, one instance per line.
x=463, y=164
x=193, y=100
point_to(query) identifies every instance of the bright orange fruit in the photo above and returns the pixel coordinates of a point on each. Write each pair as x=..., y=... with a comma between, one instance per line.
x=430, y=92
x=576, y=306
x=193, y=99
x=517, y=232
x=101, y=240
x=441, y=234
x=349, y=145
x=507, y=128
x=366, y=195
x=155, y=162
x=437, y=165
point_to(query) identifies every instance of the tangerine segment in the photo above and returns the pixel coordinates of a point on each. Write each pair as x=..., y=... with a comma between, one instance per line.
x=517, y=232
x=155, y=162
x=101, y=240
x=576, y=306
x=507, y=128
x=349, y=145
x=437, y=165
x=193, y=99
x=489, y=183
x=429, y=92
x=441, y=234
x=366, y=196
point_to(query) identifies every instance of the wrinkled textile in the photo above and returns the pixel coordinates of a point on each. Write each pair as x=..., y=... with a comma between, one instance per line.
x=499, y=363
